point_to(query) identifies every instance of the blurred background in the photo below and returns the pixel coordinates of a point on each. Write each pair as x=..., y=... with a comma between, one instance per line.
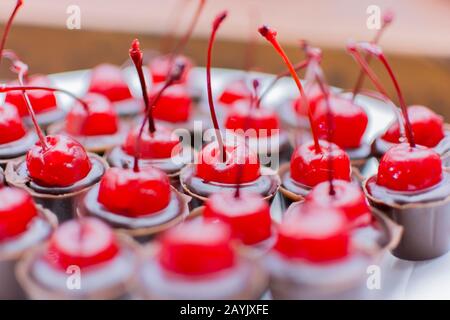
x=417, y=43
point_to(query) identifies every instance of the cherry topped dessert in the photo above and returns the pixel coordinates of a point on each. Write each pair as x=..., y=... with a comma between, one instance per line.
x=219, y=162
x=155, y=144
x=87, y=246
x=411, y=185
x=217, y=272
x=22, y=226
x=237, y=90
x=139, y=200
x=310, y=161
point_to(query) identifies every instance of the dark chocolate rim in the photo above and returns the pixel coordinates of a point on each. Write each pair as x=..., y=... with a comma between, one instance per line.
x=405, y=206
x=4, y=161
x=148, y=231
x=35, y=291
x=203, y=199
x=124, y=125
x=13, y=179
x=258, y=282
x=148, y=162
x=45, y=214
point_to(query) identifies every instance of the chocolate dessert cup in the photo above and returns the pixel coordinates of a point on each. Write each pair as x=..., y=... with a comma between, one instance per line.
x=12, y=250
x=15, y=149
x=424, y=216
x=61, y=200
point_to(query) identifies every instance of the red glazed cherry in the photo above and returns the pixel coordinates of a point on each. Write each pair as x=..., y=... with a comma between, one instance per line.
x=108, y=80
x=247, y=215
x=196, y=249
x=310, y=167
x=347, y=197
x=99, y=118
x=406, y=168
x=242, y=117
x=427, y=126
x=350, y=121
x=160, y=144
x=41, y=100
x=314, y=94
x=132, y=193
x=174, y=105
x=314, y=234
x=61, y=163
x=17, y=210
x=84, y=243
x=235, y=91
x=161, y=66
x=11, y=127
x=210, y=166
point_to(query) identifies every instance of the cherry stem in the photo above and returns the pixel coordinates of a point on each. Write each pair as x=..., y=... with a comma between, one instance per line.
x=299, y=66
x=387, y=19
x=174, y=19
x=255, y=100
x=270, y=36
x=250, y=52
x=8, y=27
x=215, y=26
x=378, y=53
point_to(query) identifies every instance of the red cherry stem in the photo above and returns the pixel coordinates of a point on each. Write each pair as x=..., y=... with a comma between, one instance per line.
x=8, y=27
x=388, y=16
x=255, y=85
x=174, y=21
x=270, y=36
x=378, y=53
x=299, y=66
x=215, y=26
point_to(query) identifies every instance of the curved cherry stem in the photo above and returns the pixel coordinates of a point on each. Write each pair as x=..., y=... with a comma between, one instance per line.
x=298, y=66
x=388, y=17
x=215, y=26
x=378, y=53
x=270, y=36
x=8, y=27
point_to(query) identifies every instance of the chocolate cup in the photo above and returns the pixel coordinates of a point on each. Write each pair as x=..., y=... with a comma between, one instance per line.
x=37, y=291
x=425, y=227
x=10, y=288
x=63, y=205
x=255, y=289
x=199, y=200
x=16, y=149
x=286, y=288
x=142, y=234
x=97, y=144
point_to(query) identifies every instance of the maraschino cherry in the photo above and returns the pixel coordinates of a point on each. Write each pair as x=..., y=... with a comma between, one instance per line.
x=175, y=104
x=406, y=166
x=309, y=162
x=197, y=248
x=17, y=210
x=85, y=243
x=234, y=91
x=108, y=80
x=314, y=234
x=221, y=161
x=11, y=126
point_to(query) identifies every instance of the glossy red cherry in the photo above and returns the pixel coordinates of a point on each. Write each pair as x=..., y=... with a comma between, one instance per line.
x=161, y=144
x=242, y=117
x=247, y=215
x=160, y=67
x=197, y=248
x=11, y=127
x=131, y=193
x=427, y=126
x=314, y=94
x=41, y=100
x=235, y=91
x=347, y=198
x=174, y=105
x=406, y=168
x=314, y=234
x=350, y=121
x=84, y=243
x=62, y=163
x=108, y=80
x=17, y=210
x=99, y=118
x=310, y=167
x=210, y=166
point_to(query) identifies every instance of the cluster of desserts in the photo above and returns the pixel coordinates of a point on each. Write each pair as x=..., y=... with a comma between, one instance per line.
x=96, y=192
